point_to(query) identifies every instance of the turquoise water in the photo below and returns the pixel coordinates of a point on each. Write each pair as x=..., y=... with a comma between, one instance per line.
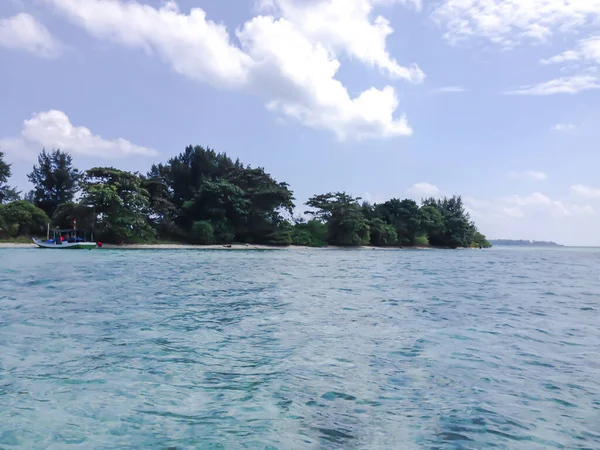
x=319, y=349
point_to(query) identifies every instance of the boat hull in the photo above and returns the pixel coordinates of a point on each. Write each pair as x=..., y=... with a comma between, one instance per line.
x=65, y=245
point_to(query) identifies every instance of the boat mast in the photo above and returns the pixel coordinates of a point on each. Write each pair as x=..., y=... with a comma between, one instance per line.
x=48, y=232
x=93, y=223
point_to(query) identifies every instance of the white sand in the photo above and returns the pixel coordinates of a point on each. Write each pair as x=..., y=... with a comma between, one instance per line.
x=215, y=247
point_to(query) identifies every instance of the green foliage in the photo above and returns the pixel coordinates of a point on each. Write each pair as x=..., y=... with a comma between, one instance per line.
x=22, y=218
x=310, y=234
x=403, y=215
x=479, y=240
x=382, y=234
x=66, y=213
x=54, y=179
x=242, y=203
x=202, y=232
x=7, y=194
x=204, y=197
x=456, y=228
x=342, y=213
x=120, y=203
x=422, y=241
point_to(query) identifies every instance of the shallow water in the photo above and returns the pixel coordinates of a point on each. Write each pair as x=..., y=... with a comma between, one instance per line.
x=300, y=349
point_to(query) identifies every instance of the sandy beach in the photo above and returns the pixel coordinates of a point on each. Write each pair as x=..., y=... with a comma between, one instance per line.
x=215, y=247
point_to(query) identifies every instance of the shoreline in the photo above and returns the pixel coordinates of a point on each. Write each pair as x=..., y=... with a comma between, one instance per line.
x=9, y=245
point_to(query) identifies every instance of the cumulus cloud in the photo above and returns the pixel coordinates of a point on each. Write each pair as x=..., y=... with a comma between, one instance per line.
x=533, y=216
x=24, y=32
x=375, y=198
x=528, y=174
x=289, y=57
x=424, y=189
x=563, y=85
x=346, y=25
x=53, y=129
x=587, y=50
x=511, y=22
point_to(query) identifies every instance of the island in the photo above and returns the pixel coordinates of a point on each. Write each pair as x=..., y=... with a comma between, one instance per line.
x=202, y=197
x=523, y=243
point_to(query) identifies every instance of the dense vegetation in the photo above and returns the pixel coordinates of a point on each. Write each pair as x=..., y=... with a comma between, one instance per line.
x=524, y=243
x=204, y=197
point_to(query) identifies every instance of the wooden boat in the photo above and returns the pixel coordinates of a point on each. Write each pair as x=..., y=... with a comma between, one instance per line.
x=66, y=239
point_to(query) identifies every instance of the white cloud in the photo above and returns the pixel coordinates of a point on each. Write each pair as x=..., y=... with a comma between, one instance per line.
x=587, y=50
x=375, y=198
x=290, y=61
x=298, y=77
x=565, y=127
x=424, y=190
x=53, y=129
x=191, y=44
x=346, y=25
x=563, y=85
x=528, y=174
x=451, y=89
x=510, y=22
x=585, y=191
x=24, y=32
x=518, y=206
x=535, y=216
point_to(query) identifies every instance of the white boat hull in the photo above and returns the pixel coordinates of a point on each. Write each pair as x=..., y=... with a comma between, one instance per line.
x=65, y=245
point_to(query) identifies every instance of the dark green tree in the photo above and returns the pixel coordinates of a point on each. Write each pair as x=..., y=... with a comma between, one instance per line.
x=457, y=229
x=382, y=234
x=343, y=216
x=22, y=218
x=312, y=233
x=55, y=180
x=120, y=203
x=403, y=215
x=7, y=193
x=267, y=202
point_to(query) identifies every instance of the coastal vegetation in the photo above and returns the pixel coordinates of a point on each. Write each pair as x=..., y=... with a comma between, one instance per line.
x=205, y=197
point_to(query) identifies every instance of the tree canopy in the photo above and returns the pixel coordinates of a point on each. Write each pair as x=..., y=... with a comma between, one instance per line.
x=204, y=197
x=54, y=179
x=7, y=194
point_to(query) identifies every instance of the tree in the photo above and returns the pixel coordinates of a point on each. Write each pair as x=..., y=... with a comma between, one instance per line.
x=432, y=222
x=403, y=215
x=21, y=218
x=121, y=204
x=66, y=213
x=342, y=214
x=382, y=234
x=312, y=233
x=241, y=203
x=202, y=232
x=7, y=193
x=456, y=229
x=266, y=200
x=55, y=180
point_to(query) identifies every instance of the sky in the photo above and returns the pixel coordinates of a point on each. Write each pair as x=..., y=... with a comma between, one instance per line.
x=495, y=100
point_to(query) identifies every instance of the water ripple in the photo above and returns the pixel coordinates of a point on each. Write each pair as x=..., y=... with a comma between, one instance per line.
x=300, y=349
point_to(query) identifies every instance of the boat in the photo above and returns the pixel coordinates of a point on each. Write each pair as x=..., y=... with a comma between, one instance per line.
x=66, y=239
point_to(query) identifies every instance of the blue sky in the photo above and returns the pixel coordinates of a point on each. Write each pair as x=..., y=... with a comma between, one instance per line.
x=496, y=100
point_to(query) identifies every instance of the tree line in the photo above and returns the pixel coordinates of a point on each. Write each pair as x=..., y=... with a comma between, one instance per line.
x=205, y=197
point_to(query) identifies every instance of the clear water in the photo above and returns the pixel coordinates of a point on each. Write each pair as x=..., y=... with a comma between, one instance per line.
x=298, y=349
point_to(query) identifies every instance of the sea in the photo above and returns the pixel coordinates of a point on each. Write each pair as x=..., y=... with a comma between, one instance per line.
x=300, y=349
